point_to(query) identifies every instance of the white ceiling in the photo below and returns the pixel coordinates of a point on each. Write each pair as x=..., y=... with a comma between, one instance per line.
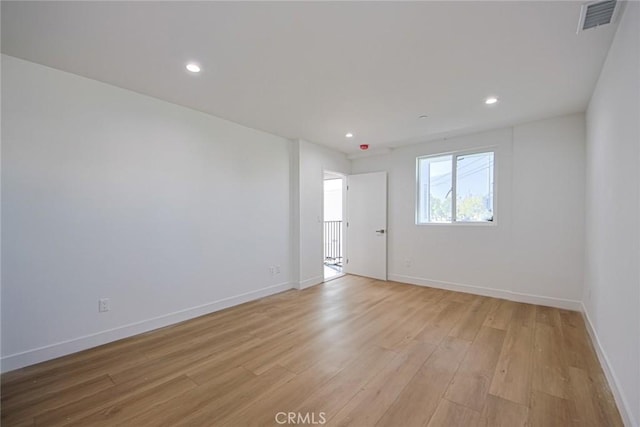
x=318, y=70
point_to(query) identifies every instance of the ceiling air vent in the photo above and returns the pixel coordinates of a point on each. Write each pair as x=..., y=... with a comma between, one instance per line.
x=596, y=13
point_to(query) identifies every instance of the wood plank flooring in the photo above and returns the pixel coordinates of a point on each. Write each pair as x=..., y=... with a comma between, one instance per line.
x=354, y=351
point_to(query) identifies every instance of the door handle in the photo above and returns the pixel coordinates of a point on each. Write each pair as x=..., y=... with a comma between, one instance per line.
x=380, y=231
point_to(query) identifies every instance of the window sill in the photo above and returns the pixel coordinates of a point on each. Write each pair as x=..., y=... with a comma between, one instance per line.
x=459, y=223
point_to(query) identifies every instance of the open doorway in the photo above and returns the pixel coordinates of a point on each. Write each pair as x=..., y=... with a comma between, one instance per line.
x=333, y=225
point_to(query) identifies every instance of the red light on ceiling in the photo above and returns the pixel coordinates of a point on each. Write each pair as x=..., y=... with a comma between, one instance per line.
x=364, y=146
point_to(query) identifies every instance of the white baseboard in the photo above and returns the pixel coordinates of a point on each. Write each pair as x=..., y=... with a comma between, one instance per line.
x=52, y=351
x=612, y=379
x=566, y=304
x=310, y=282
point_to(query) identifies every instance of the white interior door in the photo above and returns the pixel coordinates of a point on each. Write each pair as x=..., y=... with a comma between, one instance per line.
x=367, y=225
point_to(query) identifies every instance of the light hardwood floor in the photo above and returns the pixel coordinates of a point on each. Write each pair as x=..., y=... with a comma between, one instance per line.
x=353, y=351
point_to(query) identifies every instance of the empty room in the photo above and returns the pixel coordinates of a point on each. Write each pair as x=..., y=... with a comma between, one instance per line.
x=320, y=213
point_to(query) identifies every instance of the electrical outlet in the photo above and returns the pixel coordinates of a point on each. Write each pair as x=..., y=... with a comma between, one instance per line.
x=104, y=304
x=407, y=263
x=272, y=270
x=277, y=269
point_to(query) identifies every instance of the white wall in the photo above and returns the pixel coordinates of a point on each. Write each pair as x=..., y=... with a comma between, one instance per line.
x=612, y=282
x=534, y=250
x=168, y=212
x=548, y=207
x=333, y=199
x=312, y=160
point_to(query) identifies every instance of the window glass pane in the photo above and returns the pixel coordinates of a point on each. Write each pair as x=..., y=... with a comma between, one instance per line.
x=435, y=182
x=474, y=187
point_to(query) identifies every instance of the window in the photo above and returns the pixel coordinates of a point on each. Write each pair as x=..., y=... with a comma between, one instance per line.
x=456, y=188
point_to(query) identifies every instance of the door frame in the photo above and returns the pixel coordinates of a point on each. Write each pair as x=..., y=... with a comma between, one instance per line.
x=343, y=233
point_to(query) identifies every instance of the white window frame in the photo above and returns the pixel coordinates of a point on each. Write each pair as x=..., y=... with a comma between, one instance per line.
x=454, y=163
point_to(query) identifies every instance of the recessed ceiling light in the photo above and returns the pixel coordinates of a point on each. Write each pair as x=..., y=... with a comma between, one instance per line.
x=349, y=135
x=491, y=100
x=424, y=116
x=193, y=67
